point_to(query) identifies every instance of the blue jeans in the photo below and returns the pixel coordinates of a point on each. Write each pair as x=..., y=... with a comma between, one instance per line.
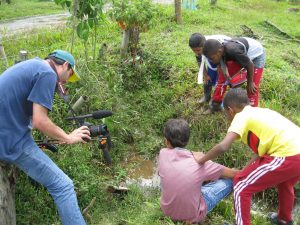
x=214, y=192
x=259, y=62
x=213, y=74
x=36, y=164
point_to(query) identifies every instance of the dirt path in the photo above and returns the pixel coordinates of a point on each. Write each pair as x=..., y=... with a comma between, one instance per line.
x=34, y=22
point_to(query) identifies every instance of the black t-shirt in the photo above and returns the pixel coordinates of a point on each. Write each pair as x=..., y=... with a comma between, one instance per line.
x=233, y=50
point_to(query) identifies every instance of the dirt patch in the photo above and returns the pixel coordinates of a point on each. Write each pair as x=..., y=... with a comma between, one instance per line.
x=36, y=22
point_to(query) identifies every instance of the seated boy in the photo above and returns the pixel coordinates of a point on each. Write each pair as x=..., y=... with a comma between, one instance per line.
x=183, y=196
x=207, y=68
x=243, y=52
x=275, y=142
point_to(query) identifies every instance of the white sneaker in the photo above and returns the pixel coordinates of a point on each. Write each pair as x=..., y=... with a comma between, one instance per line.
x=202, y=101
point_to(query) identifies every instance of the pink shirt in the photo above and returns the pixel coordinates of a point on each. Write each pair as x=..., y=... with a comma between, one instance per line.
x=181, y=180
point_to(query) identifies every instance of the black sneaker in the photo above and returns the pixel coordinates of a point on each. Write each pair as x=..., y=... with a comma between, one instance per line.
x=273, y=217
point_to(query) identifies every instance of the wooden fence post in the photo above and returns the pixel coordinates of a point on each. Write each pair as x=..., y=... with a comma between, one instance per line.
x=7, y=195
x=23, y=55
x=2, y=54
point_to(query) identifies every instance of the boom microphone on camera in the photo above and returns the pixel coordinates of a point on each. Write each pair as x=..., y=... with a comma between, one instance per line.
x=95, y=115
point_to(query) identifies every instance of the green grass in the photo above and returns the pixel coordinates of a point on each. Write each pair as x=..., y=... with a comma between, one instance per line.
x=25, y=8
x=144, y=97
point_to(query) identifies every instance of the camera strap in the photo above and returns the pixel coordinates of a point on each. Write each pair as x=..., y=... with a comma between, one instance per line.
x=60, y=87
x=61, y=90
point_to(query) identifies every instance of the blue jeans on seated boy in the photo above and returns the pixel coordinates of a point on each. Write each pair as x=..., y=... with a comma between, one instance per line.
x=35, y=163
x=215, y=191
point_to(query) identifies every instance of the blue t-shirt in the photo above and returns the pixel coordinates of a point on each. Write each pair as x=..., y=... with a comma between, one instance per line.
x=28, y=82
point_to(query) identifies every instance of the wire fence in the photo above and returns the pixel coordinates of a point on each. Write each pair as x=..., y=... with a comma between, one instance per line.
x=11, y=42
x=10, y=60
x=58, y=36
x=57, y=39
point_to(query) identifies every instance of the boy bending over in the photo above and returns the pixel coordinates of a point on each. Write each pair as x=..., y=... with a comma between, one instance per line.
x=275, y=142
x=207, y=68
x=238, y=52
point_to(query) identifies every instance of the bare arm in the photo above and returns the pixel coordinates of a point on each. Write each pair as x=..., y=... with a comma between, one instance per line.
x=197, y=155
x=250, y=72
x=229, y=172
x=42, y=122
x=206, y=76
x=218, y=149
x=254, y=157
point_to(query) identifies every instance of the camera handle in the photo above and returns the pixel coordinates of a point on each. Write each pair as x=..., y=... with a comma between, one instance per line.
x=48, y=144
x=105, y=144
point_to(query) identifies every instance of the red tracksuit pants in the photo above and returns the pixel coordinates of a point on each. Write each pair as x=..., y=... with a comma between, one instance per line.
x=266, y=172
x=233, y=68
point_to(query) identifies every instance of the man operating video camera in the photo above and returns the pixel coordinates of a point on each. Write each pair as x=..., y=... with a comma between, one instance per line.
x=26, y=95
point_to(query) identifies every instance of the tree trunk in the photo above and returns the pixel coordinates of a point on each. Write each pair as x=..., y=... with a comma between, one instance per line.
x=94, y=39
x=86, y=52
x=125, y=42
x=75, y=7
x=213, y=2
x=178, y=11
x=296, y=2
x=7, y=195
x=134, y=41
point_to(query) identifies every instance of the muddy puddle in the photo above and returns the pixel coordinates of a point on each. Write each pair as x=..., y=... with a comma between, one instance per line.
x=141, y=171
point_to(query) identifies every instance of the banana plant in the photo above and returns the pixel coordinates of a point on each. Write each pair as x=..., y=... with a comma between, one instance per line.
x=86, y=16
x=134, y=17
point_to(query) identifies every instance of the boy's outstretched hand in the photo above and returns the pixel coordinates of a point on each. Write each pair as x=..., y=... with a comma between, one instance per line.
x=198, y=156
x=251, y=87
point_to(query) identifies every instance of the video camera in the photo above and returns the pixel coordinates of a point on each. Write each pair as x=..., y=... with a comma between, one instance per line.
x=95, y=130
x=100, y=131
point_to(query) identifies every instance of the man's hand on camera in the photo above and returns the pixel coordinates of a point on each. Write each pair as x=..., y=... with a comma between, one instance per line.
x=81, y=134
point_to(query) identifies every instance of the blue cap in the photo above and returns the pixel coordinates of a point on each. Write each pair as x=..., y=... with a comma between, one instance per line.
x=66, y=56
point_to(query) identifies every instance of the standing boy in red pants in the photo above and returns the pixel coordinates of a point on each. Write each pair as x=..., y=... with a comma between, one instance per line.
x=233, y=55
x=275, y=141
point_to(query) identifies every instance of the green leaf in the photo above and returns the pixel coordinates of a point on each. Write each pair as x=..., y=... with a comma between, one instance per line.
x=91, y=23
x=83, y=30
x=60, y=2
x=68, y=3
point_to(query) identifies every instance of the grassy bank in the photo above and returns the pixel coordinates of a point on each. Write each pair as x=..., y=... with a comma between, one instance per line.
x=25, y=8
x=162, y=86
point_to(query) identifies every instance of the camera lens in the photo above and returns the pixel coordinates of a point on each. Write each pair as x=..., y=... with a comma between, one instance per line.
x=97, y=130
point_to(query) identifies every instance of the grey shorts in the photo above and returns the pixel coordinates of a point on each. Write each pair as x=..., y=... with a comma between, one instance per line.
x=259, y=61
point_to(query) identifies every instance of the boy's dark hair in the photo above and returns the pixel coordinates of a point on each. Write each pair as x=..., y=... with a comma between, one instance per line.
x=236, y=97
x=196, y=40
x=177, y=132
x=211, y=47
x=58, y=61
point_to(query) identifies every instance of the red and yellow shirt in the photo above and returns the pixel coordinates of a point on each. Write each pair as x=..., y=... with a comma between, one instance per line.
x=266, y=132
